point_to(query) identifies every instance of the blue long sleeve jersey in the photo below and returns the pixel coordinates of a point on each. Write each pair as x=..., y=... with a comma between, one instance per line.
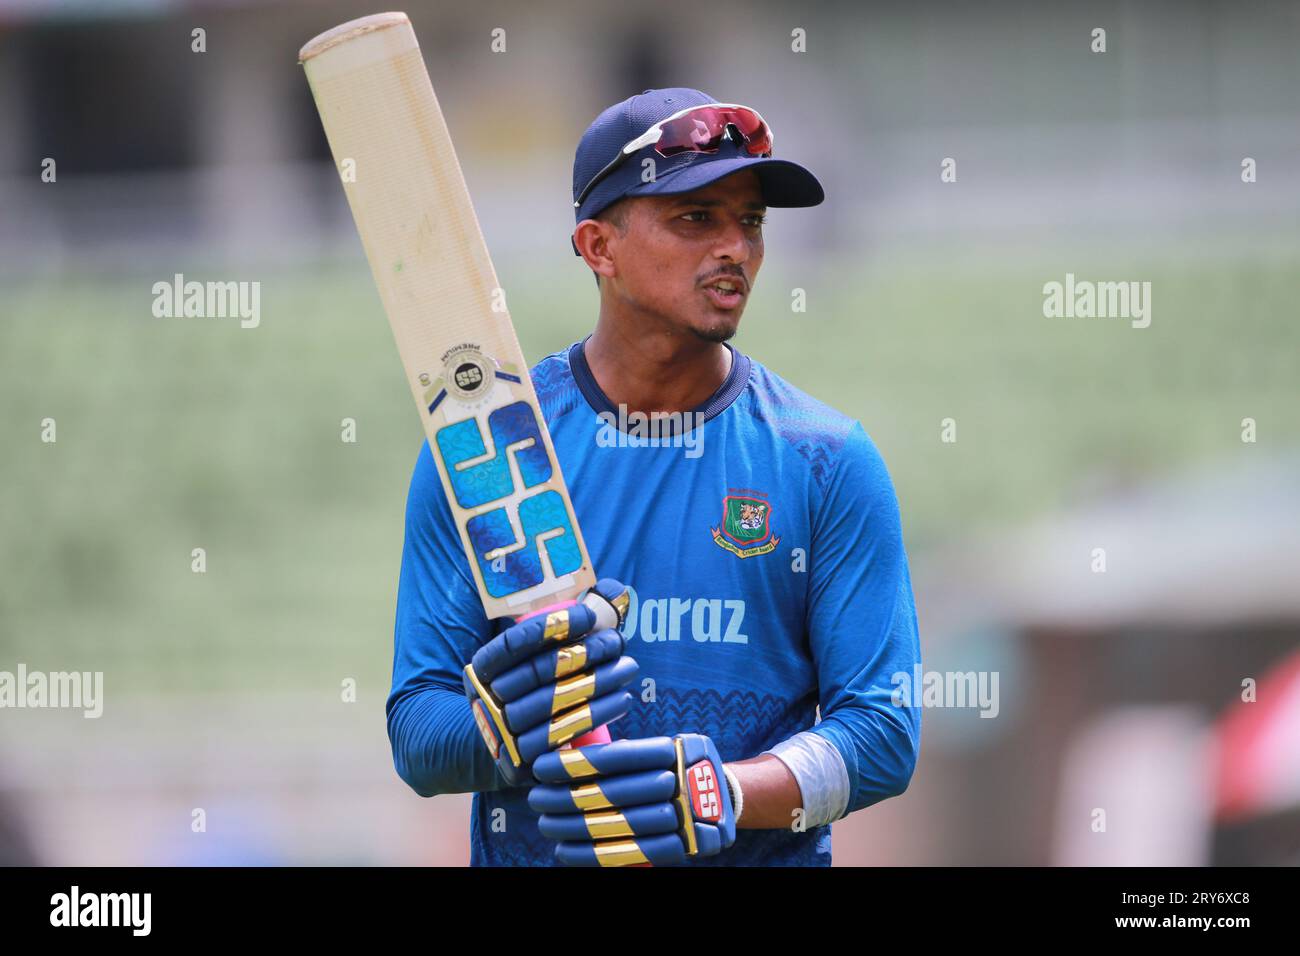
x=769, y=580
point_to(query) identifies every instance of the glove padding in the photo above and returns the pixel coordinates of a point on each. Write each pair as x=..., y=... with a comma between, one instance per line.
x=658, y=801
x=553, y=677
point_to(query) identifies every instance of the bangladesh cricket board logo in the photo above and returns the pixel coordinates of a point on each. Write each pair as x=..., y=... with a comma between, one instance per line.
x=746, y=528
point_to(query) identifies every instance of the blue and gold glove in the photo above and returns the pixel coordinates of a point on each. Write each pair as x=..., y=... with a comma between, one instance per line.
x=658, y=801
x=550, y=678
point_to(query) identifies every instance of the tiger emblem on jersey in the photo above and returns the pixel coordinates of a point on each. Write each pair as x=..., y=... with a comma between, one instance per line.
x=746, y=526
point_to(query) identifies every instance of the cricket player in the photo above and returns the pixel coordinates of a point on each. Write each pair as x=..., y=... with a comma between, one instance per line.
x=753, y=534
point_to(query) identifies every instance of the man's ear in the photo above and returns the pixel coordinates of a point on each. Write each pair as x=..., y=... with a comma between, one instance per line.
x=591, y=239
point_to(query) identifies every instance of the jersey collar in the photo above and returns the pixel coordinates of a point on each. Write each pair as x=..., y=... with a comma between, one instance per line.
x=712, y=407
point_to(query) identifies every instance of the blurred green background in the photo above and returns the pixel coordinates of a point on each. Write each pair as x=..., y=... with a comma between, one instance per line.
x=176, y=433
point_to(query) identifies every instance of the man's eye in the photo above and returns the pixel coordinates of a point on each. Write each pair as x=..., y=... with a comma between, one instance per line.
x=755, y=220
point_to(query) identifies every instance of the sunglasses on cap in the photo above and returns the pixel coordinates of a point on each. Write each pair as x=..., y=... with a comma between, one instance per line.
x=696, y=129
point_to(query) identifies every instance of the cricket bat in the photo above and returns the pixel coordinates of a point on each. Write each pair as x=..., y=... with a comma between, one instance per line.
x=447, y=311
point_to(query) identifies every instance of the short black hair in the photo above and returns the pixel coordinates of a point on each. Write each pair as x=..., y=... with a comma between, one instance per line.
x=616, y=215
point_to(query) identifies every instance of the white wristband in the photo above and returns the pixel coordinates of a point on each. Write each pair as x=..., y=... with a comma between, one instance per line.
x=819, y=770
x=737, y=795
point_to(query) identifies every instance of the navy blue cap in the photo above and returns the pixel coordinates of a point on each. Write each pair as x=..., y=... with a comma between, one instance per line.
x=783, y=182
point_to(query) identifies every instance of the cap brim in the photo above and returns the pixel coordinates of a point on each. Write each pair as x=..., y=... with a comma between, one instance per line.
x=785, y=184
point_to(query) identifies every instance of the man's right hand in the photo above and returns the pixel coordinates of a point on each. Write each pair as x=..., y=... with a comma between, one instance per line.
x=546, y=680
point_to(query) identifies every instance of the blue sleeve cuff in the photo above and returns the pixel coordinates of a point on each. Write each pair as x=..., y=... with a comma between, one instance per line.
x=879, y=756
x=436, y=745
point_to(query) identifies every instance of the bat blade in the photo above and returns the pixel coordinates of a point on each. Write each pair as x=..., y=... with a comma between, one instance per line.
x=438, y=287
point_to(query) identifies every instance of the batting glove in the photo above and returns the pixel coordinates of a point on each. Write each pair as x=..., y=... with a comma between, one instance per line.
x=546, y=680
x=658, y=801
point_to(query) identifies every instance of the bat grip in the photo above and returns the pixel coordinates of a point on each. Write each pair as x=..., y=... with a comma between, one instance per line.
x=601, y=734
x=598, y=736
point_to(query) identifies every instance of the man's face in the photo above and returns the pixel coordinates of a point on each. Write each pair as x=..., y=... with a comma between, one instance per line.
x=690, y=260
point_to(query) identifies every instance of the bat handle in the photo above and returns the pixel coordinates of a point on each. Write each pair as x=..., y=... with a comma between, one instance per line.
x=601, y=734
x=598, y=736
